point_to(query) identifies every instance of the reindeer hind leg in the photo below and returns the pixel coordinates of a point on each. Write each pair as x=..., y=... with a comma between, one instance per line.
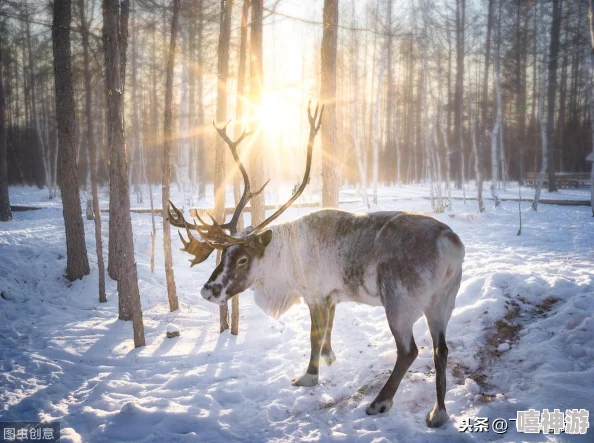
x=438, y=315
x=401, y=321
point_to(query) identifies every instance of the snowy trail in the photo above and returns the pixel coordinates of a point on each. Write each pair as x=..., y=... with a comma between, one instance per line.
x=64, y=356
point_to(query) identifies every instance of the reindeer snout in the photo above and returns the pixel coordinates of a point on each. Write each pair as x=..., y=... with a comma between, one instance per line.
x=211, y=291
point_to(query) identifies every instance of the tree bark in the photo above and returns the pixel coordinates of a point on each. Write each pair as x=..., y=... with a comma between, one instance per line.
x=168, y=141
x=552, y=92
x=5, y=211
x=390, y=102
x=257, y=204
x=376, y=131
x=220, y=183
x=520, y=73
x=356, y=123
x=136, y=168
x=458, y=94
x=238, y=124
x=542, y=118
x=192, y=120
x=543, y=129
x=200, y=92
x=92, y=148
x=591, y=23
x=330, y=179
x=477, y=166
x=497, y=124
x=483, y=135
x=77, y=262
x=129, y=296
x=121, y=28
x=40, y=175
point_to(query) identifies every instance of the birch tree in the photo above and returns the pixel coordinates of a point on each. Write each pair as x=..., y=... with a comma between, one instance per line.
x=477, y=163
x=219, y=179
x=376, y=128
x=330, y=179
x=459, y=92
x=498, y=117
x=355, y=125
x=552, y=90
x=238, y=118
x=258, y=203
x=167, y=143
x=542, y=120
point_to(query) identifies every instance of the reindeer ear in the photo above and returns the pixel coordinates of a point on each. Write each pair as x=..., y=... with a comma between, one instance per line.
x=265, y=238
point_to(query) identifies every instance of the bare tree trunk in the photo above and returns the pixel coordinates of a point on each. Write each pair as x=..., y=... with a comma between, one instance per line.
x=182, y=152
x=520, y=73
x=136, y=168
x=38, y=144
x=477, y=165
x=483, y=134
x=552, y=92
x=220, y=183
x=92, y=149
x=543, y=124
x=238, y=124
x=192, y=120
x=390, y=102
x=591, y=21
x=77, y=263
x=376, y=129
x=113, y=266
x=200, y=141
x=146, y=135
x=355, y=124
x=129, y=295
x=459, y=93
x=330, y=179
x=497, y=125
x=257, y=204
x=441, y=120
x=239, y=103
x=5, y=211
x=168, y=141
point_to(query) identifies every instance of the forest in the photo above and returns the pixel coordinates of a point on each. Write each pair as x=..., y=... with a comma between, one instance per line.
x=131, y=129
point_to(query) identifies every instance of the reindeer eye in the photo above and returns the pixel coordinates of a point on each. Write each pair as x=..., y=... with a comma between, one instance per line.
x=242, y=261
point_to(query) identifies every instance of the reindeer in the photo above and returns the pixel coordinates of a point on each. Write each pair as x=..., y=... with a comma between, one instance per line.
x=410, y=264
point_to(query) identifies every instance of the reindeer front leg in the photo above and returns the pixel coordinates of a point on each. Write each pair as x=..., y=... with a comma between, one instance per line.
x=319, y=321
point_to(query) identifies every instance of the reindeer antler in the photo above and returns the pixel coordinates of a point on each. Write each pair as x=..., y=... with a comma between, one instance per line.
x=315, y=122
x=214, y=234
x=247, y=194
x=200, y=250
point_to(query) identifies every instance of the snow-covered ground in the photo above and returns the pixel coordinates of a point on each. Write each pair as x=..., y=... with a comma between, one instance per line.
x=64, y=356
x=27, y=196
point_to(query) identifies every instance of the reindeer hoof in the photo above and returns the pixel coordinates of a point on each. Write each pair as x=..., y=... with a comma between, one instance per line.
x=379, y=407
x=330, y=357
x=307, y=380
x=437, y=417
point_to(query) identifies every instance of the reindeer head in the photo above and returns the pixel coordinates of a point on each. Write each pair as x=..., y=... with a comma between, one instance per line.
x=241, y=253
x=238, y=268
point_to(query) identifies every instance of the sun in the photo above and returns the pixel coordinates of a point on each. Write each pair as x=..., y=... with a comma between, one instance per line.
x=271, y=112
